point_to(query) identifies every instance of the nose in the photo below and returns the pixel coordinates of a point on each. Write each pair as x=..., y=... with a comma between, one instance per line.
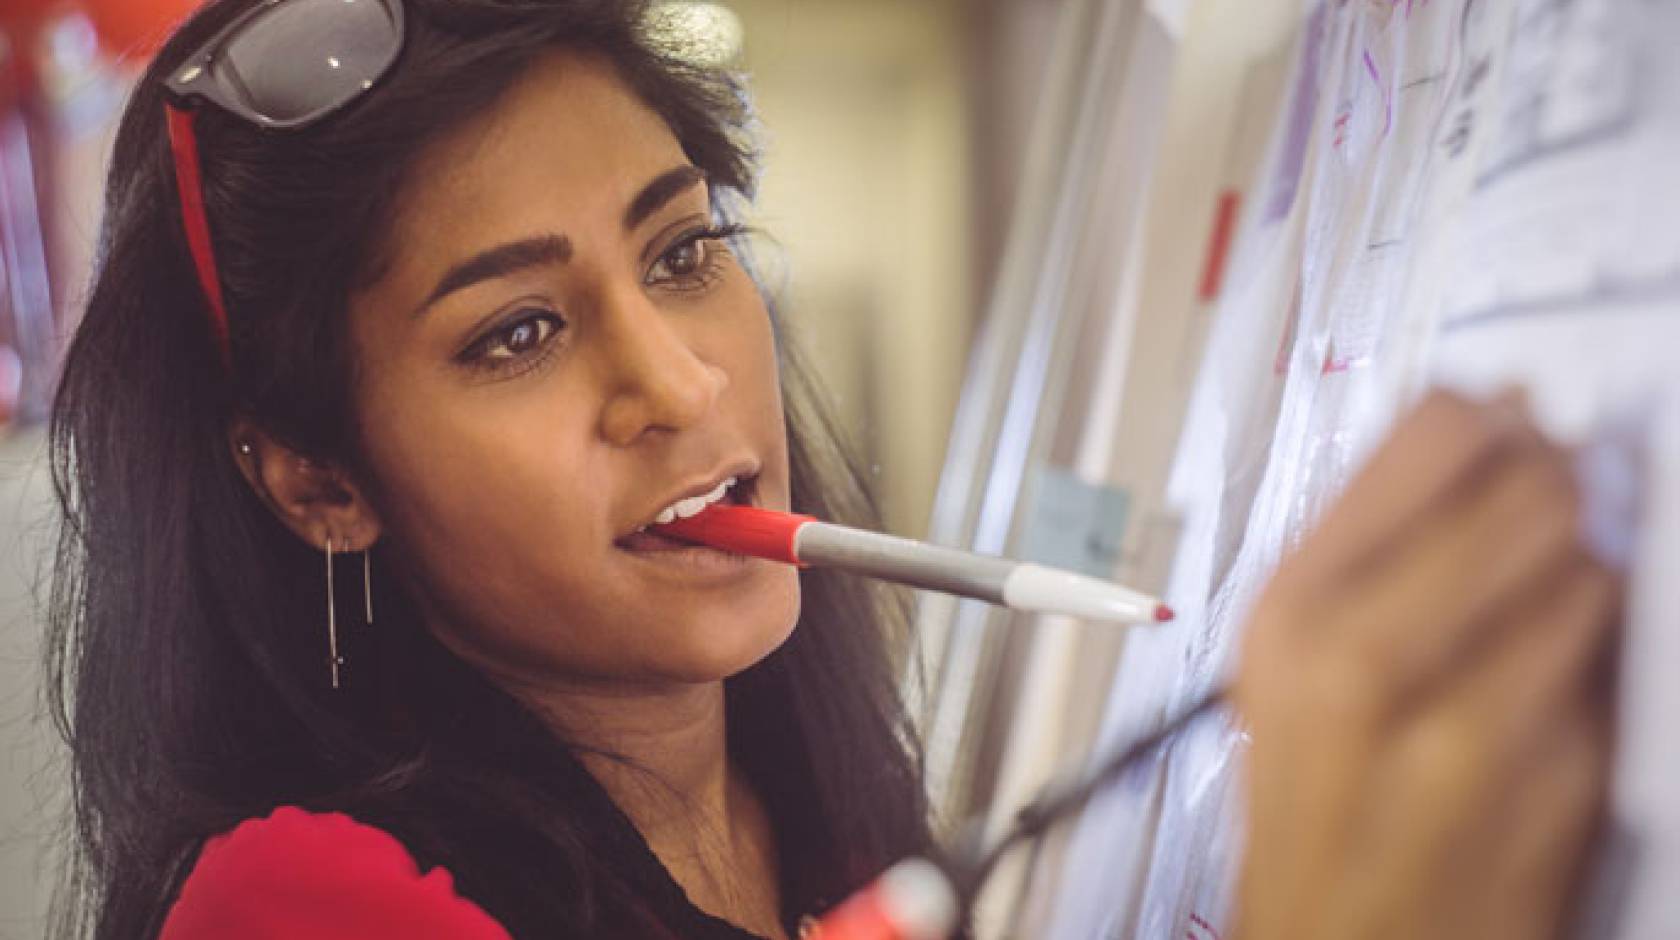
x=656, y=378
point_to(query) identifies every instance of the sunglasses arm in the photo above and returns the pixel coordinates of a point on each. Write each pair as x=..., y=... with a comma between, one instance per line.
x=183, y=145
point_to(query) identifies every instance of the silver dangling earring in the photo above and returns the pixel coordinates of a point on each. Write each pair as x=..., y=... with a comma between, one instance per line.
x=367, y=581
x=332, y=617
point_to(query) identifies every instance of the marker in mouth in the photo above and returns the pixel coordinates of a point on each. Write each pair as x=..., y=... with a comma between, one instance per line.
x=806, y=541
x=651, y=540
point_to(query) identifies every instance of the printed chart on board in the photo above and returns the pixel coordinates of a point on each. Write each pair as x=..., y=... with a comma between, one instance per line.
x=1464, y=192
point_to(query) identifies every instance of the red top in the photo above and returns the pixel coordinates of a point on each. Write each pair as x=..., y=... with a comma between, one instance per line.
x=298, y=875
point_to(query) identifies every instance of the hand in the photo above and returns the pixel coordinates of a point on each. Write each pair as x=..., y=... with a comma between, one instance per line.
x=1428, y=686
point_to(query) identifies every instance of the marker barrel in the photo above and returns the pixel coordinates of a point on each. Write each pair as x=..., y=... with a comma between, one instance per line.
x=917, y=564
x=1000, y=581
x=805, y=541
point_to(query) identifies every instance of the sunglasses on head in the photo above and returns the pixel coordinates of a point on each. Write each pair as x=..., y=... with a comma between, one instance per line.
x=283, y=64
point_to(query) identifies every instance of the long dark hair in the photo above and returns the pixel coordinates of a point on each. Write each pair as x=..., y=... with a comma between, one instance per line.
x=185, y=622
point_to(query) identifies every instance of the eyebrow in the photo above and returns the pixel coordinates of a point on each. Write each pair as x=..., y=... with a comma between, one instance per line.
x=543, y=250
x=666, y=187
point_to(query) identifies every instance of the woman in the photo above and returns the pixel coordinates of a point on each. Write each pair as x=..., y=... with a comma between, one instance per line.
x=467, y=305
x=412, y=383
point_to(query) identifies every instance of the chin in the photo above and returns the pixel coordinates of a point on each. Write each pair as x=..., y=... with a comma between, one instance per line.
x=720, y=646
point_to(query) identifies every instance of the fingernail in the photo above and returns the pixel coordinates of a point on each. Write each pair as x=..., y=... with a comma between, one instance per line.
x=1611, y=471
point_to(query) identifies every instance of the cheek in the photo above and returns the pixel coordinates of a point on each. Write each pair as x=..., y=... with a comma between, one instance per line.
x=484, y=503
x=459, y=472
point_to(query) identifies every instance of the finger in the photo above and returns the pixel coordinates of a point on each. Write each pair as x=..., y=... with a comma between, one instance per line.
x=1416, y=617
x=1474, y=741
x=1549, y=658
x=1311, y=759
x=1437, y=449
x=1546, y=828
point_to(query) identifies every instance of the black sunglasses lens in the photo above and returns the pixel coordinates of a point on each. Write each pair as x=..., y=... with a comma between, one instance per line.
x=303, y=58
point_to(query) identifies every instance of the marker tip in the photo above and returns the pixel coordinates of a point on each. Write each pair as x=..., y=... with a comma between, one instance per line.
x=1163, y=614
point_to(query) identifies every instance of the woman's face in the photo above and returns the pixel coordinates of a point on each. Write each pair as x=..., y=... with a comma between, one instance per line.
x=554, y=354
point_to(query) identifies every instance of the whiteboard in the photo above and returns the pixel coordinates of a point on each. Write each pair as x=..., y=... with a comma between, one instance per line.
x=1458, y=191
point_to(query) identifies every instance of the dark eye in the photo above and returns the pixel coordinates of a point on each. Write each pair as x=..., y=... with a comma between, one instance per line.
x=686, y=259
x=683, y=261
x=518, y=339
x=524, y=337
x=694, y=261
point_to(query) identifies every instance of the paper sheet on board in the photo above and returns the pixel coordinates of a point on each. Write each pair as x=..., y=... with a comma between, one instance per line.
x=1460, y=191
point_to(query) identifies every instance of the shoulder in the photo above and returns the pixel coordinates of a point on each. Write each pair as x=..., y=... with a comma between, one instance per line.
x=324, y=876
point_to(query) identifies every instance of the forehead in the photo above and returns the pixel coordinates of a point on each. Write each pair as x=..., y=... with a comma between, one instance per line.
x=565, y=149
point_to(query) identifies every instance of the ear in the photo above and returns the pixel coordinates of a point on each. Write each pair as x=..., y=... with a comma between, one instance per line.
x=316, y=500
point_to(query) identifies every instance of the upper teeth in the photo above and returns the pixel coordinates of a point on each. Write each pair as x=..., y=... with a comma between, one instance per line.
x=684, y=508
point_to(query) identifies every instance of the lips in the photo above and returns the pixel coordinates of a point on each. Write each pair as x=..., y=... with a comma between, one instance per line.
x=652, y=541
x=742, y=494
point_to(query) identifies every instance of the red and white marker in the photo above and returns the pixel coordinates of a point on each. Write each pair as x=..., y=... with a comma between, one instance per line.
x=808, y=542
x=912, y=901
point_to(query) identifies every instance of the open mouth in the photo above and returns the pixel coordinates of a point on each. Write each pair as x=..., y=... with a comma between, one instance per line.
x=649, y=539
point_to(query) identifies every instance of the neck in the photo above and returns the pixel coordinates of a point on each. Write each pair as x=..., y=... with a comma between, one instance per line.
x=662, y=755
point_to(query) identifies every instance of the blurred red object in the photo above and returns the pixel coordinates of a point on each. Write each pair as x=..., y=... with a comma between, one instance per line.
x=11, y=383
x=27, y=13
x=135, y=27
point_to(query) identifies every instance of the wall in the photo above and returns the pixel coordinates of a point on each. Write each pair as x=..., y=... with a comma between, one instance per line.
x=868, y=193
